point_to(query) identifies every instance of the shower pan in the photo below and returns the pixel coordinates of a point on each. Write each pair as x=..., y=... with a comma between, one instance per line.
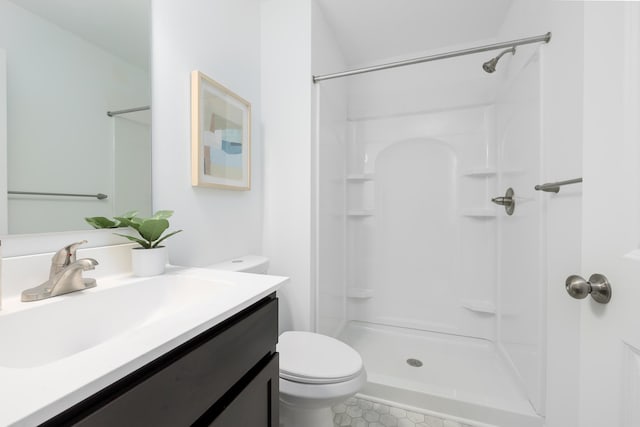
x=439, y=289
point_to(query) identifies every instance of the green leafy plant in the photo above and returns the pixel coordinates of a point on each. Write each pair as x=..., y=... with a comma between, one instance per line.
x=103, y=222
x=149, y=229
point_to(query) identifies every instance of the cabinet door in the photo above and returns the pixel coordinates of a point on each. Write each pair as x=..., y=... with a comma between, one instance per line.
x=176, y=391
x=257, y=404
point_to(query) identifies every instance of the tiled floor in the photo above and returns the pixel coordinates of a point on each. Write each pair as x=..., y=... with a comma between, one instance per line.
x=357, y=412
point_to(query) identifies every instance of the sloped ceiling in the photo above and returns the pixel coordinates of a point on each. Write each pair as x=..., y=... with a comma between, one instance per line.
x=118, y=26
x=370, y=30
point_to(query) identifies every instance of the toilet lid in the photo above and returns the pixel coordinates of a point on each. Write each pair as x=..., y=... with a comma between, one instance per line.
x=311, y=358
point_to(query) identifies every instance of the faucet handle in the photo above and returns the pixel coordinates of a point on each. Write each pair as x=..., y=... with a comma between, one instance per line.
x=64, y=257
x=71, y=251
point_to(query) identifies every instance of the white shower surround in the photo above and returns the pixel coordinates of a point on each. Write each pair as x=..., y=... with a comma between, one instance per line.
x=426, y=147
x=412, y=252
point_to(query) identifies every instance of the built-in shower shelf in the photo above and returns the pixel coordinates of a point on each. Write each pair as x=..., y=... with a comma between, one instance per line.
x=480, y=172
x=480, y=213
x=478, y=306
x=359, y=213
x=360, y=177
x=359, y=293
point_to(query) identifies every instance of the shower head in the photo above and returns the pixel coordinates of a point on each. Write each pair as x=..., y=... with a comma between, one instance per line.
x=490, y=65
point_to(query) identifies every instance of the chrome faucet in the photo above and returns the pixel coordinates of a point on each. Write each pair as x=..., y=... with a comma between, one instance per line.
x=65, y=275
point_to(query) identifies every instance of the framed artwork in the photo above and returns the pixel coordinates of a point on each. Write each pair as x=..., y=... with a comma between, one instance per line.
x=220, y=136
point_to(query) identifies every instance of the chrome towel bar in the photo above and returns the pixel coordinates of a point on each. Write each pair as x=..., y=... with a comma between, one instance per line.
x=128, y=110
x=554, y=187
x=98, y=196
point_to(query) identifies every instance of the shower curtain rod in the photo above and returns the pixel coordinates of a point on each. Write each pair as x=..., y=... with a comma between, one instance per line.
x=129, y=110
x=543, y=38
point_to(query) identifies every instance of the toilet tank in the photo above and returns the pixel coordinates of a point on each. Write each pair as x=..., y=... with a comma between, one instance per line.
x=247, y=264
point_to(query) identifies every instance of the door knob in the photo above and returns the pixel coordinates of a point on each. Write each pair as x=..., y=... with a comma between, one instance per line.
x=598, y=286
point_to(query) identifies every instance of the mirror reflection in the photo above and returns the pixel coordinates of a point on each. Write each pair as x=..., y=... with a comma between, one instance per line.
x=68, y=63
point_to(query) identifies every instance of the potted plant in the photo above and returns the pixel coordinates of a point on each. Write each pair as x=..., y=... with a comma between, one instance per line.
x=150, y=258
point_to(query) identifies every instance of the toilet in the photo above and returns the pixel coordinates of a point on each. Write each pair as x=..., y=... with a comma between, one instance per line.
x=316, y=371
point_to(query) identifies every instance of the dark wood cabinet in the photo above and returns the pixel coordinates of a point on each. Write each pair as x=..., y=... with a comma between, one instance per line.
x=257, y=404
x=224, y=377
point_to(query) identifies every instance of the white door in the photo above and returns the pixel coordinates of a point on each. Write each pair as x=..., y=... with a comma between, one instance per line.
x=3, y=142
x=610, y=333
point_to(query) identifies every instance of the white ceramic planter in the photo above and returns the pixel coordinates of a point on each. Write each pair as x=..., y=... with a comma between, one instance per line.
x=148, y=262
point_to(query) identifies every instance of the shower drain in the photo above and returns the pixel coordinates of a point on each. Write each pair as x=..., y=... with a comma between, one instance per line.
x=414, y=362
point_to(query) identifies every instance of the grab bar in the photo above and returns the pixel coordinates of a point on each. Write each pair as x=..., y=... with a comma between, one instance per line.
x=98, y=196
x=554, y=187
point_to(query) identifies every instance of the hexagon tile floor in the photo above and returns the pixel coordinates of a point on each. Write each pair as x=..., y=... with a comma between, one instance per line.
x=356, y=412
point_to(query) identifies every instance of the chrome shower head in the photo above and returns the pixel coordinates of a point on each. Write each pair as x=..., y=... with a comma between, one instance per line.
x=490, y=65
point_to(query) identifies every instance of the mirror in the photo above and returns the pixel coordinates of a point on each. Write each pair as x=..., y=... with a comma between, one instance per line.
x=68, y=63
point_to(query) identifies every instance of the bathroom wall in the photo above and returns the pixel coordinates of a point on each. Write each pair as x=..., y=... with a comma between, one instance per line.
x=421, y=230
x=41, y=60
x=330, y=153
x=432, y=86
x=222, y=39
x=286, y=120
x=522, y=236
x=132, y=153
x=561, y=113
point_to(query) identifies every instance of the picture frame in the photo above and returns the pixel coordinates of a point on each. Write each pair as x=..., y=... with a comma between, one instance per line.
x=220, y=136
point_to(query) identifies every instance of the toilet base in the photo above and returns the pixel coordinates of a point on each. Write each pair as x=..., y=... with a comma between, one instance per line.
x=291, y=416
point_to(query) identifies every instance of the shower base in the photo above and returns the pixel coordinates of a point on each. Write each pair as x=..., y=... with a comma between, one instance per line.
x=459, y=376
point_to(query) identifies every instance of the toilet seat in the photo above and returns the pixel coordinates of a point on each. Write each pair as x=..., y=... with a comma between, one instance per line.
x=310, y=358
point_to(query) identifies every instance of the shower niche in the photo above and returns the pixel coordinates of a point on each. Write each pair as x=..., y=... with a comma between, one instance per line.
x=414, y=260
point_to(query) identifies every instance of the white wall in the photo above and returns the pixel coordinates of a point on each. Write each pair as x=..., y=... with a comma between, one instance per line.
x=426, y=254
x=222, y=39
x=432, y=86
x=132, y=155
x=522, y=246
x=562, y=74
x=330, y=154
x=59, y=90
x=286, y=117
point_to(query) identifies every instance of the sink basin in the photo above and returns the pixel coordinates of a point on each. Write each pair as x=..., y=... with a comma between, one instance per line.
x=60, y=351
x=47, y=331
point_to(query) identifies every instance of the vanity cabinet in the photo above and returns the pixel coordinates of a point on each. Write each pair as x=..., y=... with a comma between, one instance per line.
x=225, y=377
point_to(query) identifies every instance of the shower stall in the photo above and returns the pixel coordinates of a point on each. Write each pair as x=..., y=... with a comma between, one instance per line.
x=439, y=289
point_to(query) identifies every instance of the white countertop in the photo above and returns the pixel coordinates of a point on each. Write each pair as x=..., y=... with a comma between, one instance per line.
x=32, y=395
